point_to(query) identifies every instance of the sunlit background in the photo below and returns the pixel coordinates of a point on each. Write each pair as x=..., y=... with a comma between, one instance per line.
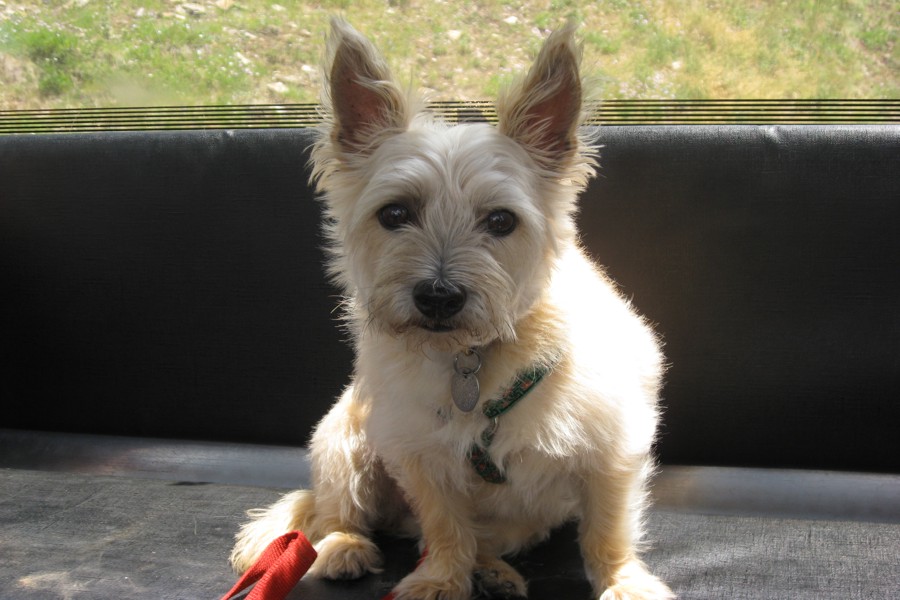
x=93, y=53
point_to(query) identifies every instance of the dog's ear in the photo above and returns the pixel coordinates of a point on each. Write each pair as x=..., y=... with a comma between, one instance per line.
x=543, y=110
x=365, y=102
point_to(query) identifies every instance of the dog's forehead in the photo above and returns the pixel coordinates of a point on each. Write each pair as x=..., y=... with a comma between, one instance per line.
x=471, y=159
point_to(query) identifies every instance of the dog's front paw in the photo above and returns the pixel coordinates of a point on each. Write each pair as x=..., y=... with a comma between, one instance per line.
x=345, y=556
x=495, y=578
x=422, y=584
x=633, y=582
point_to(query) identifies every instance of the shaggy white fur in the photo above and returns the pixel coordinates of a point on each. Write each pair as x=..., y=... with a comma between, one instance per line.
x=482, y=219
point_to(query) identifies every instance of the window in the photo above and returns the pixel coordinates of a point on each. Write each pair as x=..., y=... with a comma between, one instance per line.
x=87, y=54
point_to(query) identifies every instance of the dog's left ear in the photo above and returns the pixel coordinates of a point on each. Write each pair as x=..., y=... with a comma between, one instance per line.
x=366, y=102
x=543, y=111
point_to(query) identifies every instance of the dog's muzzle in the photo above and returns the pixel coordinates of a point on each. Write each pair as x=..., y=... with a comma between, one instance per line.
x=438, y=300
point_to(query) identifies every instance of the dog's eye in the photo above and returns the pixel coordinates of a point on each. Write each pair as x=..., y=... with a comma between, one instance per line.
x=500, y=222
x=393, y=216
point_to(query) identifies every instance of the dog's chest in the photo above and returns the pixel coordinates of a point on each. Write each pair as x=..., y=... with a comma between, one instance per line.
x=412, y=414
x=414, y=409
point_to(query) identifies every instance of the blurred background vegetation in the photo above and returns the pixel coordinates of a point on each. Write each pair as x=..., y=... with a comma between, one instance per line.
x=94, y=53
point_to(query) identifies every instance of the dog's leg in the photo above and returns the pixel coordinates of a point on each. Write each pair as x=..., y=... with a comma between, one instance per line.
x=349, y=481
x=448, y=534
x=609, y=532
x=338, y=516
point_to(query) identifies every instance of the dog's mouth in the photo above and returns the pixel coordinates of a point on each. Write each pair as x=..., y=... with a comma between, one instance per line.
x=437, y=326
x=442, y=334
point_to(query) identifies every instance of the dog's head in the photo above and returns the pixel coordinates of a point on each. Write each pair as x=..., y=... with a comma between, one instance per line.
x=447, y=235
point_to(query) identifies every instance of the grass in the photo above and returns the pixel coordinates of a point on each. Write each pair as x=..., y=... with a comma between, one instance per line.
x=76, y=53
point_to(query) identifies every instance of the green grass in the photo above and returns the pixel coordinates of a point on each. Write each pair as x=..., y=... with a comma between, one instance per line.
x=56, y=57
x=155, y=52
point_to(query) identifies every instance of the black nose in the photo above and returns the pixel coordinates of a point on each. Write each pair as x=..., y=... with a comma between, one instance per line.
x=438, y=299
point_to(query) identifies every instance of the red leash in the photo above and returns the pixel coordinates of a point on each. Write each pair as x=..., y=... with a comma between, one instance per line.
x=280, y=567
x=278, y=570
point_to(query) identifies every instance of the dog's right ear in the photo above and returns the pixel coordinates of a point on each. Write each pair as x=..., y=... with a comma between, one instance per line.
x=366, y=103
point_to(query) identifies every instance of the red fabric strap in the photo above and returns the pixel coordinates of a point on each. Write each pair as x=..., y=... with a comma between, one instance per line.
x=278, y=570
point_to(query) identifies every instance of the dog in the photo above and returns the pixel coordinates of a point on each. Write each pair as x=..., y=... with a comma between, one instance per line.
x=502, y=385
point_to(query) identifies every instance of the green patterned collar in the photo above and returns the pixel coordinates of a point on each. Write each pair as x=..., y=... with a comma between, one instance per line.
x=492, y=409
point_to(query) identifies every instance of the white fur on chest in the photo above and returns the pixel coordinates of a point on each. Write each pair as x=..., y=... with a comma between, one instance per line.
x=411, y=407
x=414, y=416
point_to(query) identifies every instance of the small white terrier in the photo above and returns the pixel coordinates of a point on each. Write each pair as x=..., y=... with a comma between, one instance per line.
x=502, y=385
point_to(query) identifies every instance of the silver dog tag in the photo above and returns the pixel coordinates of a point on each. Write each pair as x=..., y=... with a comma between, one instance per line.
x=464, y=389
x=464, y=386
